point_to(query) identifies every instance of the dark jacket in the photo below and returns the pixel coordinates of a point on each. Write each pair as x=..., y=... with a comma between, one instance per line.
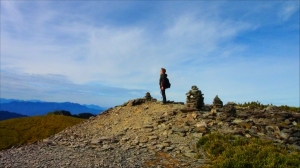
x=162, y=80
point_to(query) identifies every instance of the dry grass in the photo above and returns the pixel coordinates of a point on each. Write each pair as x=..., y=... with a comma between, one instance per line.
x=20, y=131
x=165, y=160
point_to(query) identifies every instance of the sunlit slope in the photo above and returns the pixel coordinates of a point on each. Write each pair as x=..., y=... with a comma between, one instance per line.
x=19, y=131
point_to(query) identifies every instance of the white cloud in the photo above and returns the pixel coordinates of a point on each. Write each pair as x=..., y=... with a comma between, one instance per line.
x=110, y=54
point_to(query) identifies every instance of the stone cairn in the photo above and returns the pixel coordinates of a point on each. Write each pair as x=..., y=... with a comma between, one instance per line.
x=217, y=103
x=148, y=97
x=195, y=99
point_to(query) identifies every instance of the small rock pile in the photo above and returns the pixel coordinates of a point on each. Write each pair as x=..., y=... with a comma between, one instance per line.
x=148, y=96
x=139, y=101
x=230, y=108
x=217, y=103
x=195, y=99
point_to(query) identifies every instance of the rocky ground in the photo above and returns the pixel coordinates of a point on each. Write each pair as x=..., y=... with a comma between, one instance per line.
x=148, y=134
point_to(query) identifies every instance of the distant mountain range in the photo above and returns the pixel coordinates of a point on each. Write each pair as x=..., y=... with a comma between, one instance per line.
x=2, y=100
x=4, y=115
x=36, y=107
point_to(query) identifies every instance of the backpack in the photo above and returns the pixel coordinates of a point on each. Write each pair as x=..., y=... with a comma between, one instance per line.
x=167, y=83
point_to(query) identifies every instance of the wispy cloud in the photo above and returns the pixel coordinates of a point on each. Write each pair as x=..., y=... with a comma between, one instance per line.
x=289, y=8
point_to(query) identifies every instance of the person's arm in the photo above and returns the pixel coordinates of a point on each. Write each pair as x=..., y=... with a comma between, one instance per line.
x=162, y=82
x=159, y=82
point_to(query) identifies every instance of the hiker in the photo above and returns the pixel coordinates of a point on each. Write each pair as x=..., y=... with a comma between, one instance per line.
x=162, y=84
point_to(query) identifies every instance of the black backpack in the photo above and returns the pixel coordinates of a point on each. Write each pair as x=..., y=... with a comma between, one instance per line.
x=167, y=83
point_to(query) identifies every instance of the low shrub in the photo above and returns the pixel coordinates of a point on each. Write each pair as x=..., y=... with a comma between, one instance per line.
x=228, y=151
x=257, y=104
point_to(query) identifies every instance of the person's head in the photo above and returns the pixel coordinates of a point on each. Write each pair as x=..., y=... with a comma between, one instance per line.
x=162, y=70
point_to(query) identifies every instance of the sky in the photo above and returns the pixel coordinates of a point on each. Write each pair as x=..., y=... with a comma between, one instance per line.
x=108, y=52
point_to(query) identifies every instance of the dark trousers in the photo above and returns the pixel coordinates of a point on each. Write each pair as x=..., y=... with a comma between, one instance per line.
x=163, y=93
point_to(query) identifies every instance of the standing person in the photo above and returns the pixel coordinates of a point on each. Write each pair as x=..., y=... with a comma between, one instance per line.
x=162, y=84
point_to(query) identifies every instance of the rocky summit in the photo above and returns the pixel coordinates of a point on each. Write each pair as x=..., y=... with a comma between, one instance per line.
x=145, y=133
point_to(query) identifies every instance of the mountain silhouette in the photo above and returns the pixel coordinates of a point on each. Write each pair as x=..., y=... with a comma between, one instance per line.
x=4, y=115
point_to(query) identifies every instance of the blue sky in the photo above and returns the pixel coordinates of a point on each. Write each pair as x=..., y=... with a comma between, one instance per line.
x=109, y=52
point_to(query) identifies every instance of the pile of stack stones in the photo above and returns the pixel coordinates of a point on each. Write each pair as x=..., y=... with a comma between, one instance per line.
x=217, y=103
x=148, y=97
x=195, y=99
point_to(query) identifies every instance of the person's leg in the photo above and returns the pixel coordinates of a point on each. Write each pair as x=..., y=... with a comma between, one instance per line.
x=163, y=92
